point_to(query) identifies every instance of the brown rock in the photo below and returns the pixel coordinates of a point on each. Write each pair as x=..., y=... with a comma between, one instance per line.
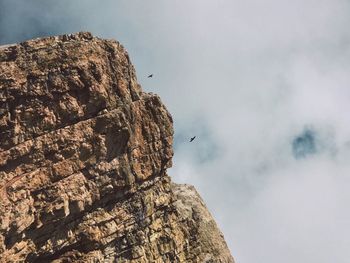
x=83, y=159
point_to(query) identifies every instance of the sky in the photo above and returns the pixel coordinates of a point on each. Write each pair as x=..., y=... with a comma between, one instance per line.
x=264, y=86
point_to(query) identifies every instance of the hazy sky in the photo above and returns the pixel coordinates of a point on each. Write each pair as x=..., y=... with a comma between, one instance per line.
x=265, y=87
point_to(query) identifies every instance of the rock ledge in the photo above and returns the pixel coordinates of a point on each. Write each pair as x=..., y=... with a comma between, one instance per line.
x=83, y=159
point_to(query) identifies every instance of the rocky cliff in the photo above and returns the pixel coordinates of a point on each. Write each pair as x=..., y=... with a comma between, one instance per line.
x=83, y=159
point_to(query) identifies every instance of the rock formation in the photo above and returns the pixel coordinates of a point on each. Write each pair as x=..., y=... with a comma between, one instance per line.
x=83, y=159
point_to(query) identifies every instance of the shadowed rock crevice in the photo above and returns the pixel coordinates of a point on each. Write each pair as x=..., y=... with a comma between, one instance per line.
x=83, y=159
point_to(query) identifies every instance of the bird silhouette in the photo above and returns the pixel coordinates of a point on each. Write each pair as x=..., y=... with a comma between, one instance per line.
x=150, y=76
x=192, y=139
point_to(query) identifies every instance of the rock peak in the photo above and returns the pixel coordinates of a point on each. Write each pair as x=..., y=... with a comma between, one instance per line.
x=83, y=159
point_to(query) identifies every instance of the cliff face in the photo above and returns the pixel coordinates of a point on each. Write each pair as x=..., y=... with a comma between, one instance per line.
x=83, y=159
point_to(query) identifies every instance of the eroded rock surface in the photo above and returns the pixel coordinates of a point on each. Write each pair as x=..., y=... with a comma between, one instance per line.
x=83, y=159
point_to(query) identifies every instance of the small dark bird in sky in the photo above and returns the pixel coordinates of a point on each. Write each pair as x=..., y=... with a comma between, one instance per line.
x=192, y=139
x=150, y=76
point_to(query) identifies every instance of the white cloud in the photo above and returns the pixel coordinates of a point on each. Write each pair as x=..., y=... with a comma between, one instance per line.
x=246, y=76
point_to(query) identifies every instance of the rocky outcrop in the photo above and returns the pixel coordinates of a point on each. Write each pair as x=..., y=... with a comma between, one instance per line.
x=83, y=159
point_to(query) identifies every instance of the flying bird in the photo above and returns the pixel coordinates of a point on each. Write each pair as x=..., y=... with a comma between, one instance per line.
x=192, y=139
x=150, y=76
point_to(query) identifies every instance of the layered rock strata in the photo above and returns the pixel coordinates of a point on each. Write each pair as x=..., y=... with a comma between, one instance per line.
x=83, y=159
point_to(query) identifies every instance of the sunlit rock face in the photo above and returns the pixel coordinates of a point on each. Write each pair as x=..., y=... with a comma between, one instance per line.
x=83, y=159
